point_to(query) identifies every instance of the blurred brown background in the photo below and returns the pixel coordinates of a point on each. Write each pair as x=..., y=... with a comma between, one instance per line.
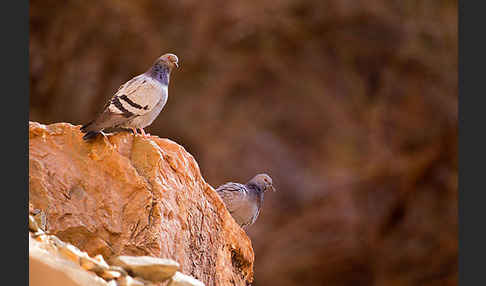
x=351, y=107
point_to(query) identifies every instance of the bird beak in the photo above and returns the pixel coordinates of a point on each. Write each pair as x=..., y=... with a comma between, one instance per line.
x=176, y=64
x=272, y=188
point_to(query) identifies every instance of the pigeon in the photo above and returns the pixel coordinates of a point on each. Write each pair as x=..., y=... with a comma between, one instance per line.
x=138, y=102
x=245, y=201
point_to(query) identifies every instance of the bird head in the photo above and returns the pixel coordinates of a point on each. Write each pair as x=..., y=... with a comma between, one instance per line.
x=263, y=181
x=169, y=60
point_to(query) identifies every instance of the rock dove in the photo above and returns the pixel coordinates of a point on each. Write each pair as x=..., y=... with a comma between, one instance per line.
x=245, y=201
x=138, y=102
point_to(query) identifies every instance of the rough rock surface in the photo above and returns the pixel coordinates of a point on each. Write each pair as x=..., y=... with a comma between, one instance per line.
x=48, y=269
x=54, y=262
x=180, y=279
x=149, y=268
x=126, y=195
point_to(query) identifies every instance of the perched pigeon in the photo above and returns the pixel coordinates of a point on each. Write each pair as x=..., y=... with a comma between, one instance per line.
x=245, y=201
x=137, y=102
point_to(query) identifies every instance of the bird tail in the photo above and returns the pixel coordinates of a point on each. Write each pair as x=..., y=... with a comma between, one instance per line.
x=90, y=135
x=90, y=131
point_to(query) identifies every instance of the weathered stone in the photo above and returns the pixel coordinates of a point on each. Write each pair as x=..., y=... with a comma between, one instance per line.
x=122, y=271
x=94, y=265
x=46, y=268
x=44, y=241
x=148, y=268
x=180, y=279
x=100, y=259
x=129, y=281
x=110, y=274
x=39, y=236
x=33, y=224
x=71, y=252
x=55, y=241
x=65, y=264
x=127, y=195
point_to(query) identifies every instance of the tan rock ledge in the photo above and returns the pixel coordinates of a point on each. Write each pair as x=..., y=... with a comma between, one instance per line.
x=148, y=268
x=127, y=195
x=180, y=279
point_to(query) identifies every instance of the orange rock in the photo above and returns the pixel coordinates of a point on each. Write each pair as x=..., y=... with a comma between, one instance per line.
x=126, y=195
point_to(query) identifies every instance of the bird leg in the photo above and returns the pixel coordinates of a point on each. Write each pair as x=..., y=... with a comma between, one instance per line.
x=145, y=135
x=102, y=133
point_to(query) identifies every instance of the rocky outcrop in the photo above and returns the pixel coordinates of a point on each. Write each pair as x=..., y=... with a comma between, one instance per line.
x=48, y=267
x=53, y=262
x=128, y=195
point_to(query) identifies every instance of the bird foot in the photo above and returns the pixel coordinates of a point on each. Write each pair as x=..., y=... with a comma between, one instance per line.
x=104, y=134
x=145, y=135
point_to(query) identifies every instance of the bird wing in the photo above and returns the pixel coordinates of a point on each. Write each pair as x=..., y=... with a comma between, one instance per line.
x=136, y=97
x=235, y=198
x=233, y=195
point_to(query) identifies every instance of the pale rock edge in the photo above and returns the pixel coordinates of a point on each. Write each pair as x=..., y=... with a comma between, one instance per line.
x=72, y=266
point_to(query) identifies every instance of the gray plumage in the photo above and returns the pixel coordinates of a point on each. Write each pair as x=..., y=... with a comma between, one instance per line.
x=138, y=102
x=244, y=201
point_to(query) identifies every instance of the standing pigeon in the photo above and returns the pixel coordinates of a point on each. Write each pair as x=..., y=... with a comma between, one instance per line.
x=245, y=201
x=138, y=102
